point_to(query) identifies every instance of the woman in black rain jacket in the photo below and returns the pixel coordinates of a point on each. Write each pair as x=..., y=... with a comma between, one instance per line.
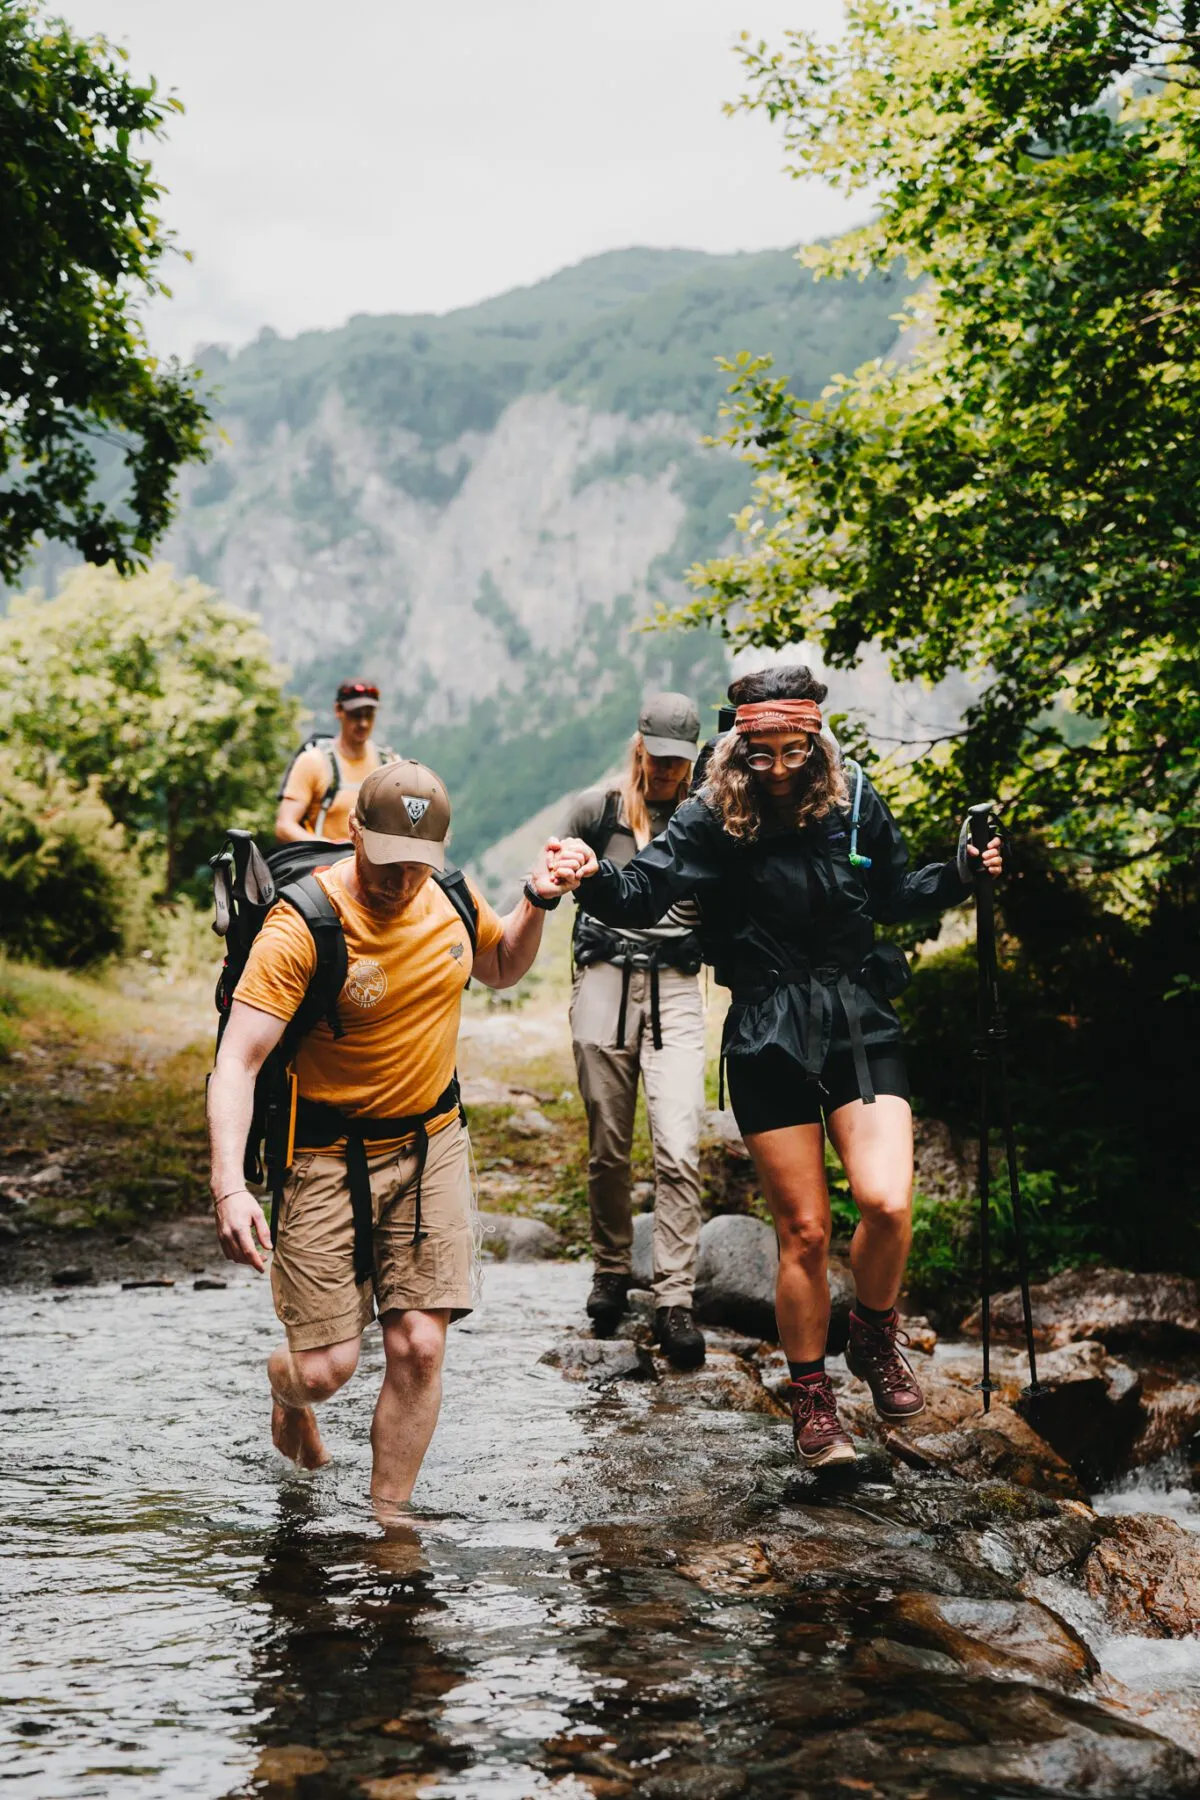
x=794, y=859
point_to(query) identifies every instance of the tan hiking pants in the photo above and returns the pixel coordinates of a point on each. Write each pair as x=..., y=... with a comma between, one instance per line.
x=674, y=1082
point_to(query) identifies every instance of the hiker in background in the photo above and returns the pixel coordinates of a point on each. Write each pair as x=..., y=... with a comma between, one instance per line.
x=376, y=1214
x=636, y=1010
x=317, y=795
x=794, y=858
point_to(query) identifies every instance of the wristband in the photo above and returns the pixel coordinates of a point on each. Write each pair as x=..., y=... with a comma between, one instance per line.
x=220, y=1199
x=536, y=899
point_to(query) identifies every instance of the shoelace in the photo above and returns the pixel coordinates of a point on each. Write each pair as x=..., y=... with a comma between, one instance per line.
x=814, y=1406
x=678, y=1319
x=881, y=1347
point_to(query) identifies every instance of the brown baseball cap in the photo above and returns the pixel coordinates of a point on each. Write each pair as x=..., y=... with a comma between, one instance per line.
x=670, y=726
x=403, y=815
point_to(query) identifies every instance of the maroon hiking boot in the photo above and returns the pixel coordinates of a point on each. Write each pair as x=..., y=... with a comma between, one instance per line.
x=818, y=1432
x=873, y=1356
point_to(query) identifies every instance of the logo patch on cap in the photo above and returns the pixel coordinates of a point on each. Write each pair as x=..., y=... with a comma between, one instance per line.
x=416, y=809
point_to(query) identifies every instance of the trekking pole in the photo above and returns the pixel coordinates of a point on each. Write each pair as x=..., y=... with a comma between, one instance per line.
x=990, y=1049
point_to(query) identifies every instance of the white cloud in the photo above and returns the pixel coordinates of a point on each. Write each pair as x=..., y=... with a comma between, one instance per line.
x=376, y=157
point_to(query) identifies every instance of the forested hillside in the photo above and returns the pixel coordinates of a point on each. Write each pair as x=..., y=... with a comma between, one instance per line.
x=477, y=510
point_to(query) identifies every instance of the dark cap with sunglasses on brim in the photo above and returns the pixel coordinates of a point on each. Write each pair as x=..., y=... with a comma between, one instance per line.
x=356, y=696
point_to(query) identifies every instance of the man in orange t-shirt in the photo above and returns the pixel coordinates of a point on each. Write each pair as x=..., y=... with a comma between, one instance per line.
x=379, y=1129
x=322, y=781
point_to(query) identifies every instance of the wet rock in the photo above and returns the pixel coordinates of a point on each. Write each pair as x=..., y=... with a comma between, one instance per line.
x=729, y=1568
x=601, y=1360
x=919, y=1333
x=723, y=1383
x=1088, y=1408
x=282, y=1765
x=1003, y=1638
x=75, y=1276
x=1170, y=1416
x=1120, y=1309
x=207, y=1284
x=516, y=1239
x=837, y=1546
x=955, y=1434
x=1145, y=1572
x=694, y=1781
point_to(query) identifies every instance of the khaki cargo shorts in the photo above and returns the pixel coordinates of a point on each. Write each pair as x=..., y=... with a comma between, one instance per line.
x=312, y=1272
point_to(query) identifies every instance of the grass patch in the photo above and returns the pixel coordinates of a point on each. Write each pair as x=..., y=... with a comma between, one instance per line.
x=101, y=1108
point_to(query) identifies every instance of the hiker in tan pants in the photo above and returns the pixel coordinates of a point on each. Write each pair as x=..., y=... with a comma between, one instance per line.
x=636, y=1011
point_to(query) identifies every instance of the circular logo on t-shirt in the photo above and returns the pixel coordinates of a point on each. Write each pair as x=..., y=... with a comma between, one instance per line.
x=366, y=984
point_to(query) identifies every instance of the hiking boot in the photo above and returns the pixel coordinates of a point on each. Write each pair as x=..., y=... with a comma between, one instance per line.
x=872, y=1355
x=606, y=1302
x=820, y=1438
x=678, y=1336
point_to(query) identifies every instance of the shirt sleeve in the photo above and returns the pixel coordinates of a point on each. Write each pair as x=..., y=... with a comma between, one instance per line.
x=307, y=778
x=683, y=860
x=490, y=929
x=282, y=962
x=898, y=892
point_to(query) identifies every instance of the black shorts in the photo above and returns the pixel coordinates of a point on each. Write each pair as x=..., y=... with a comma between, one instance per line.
x=770, y=1090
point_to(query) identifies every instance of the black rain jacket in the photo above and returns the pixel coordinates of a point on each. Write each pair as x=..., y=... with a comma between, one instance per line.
x=788, y=923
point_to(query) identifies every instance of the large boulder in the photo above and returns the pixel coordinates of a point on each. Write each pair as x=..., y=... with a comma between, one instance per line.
x=1087, y=1407
x=511, y=1238
x=600, y=1360
x=1121, y=1310
x=735, y=1280
x=1145, y=1572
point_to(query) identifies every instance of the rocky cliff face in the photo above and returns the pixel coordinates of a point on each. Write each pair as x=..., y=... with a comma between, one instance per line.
x=481, y=510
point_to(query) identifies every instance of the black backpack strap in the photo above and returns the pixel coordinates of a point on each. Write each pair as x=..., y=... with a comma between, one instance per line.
x=310, y=900
x=454, y=885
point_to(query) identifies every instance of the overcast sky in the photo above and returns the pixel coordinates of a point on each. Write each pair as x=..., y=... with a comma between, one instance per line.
x=379, y=156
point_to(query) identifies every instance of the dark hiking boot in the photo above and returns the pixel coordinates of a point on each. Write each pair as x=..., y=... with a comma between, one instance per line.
x=873, y=1356
x=820, y=1438
x=678, y=1336
x=606, y=1302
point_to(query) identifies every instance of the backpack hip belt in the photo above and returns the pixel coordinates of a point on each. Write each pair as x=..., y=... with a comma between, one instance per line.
x=318, y=1123
x=680, y=953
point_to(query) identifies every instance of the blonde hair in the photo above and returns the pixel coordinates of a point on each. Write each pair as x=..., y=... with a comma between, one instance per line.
x=634, y=786
x=733, y=793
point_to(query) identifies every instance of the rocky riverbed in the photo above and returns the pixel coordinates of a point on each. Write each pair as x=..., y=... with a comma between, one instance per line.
x=616, y=1581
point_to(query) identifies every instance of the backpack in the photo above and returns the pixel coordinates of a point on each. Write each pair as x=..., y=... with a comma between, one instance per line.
x=246, y=885
x=324, y=742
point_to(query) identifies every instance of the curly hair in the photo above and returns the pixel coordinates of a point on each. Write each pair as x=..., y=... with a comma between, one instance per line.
x=731, y=789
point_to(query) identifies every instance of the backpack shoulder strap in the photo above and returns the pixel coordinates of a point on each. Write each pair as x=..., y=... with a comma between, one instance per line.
x=325, y=745
x=310, y=900
x=453, y=884
x=608, y=823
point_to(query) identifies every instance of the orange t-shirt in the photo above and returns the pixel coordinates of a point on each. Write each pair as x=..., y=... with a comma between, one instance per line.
x=308, y=780
x=399, y=1007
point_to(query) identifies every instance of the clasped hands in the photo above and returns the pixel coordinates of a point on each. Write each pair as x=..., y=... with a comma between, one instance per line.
x=561, y=865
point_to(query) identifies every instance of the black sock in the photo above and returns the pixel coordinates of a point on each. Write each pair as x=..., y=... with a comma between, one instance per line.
x=870, y=1315
x=798, y=1371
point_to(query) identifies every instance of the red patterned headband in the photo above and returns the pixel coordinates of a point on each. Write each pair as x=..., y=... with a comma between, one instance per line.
x=777, y=715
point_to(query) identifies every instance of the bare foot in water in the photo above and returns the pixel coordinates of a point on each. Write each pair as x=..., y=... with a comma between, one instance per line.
x=294, y=1434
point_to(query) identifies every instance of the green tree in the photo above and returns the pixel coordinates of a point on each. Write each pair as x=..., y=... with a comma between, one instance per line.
x=80, y=248
x=158, y=692
x=1015, y=494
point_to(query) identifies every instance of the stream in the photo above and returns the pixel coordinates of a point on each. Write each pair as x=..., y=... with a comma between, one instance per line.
x=602, y=1591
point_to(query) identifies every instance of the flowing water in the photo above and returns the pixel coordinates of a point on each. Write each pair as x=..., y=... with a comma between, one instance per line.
x=579, y=1606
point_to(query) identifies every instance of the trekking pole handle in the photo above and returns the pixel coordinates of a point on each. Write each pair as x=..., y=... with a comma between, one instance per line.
x=978, y=829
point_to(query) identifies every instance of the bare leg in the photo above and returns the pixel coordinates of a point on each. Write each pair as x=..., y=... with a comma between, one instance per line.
x=791, y=1168
x=298, y=1378
x=875, y=1144
x=406, y=1412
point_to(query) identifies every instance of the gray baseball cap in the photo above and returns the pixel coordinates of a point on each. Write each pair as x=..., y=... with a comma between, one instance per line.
x=670, y=726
